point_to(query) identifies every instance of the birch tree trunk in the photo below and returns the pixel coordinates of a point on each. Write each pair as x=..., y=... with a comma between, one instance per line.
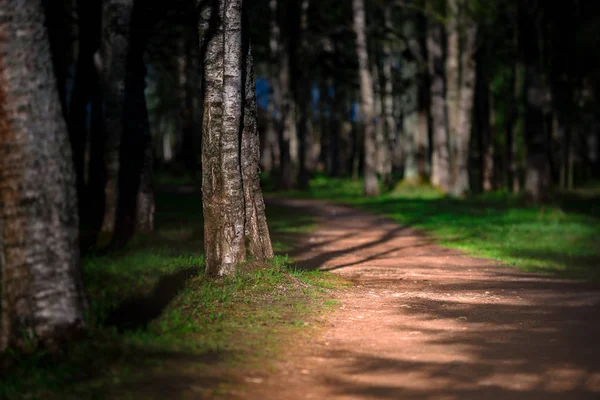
x=440, y=174
x=232, y=199
x=371, y=187
x=42, y=296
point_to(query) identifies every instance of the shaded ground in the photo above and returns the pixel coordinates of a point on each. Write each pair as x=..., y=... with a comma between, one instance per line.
x=425, y=322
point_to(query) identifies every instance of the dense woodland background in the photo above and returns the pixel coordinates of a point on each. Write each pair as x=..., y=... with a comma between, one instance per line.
x=467, y=96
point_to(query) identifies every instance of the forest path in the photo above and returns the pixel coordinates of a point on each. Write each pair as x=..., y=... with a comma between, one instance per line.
x=425, y=322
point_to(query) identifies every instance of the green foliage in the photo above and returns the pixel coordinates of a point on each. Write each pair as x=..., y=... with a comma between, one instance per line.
x=561, y=238
x=159, y=328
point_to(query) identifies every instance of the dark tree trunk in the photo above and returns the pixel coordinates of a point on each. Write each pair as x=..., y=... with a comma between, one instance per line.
x=440, y=174
x=135, y=212
x=258, y=240
x=116, y=20
x=538, y=104
x=85, y=79
x=371, y=186
x=41, y=288
x=94, y=192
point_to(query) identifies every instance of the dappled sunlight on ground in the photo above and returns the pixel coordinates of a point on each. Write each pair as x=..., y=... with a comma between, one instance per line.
x=425, y=322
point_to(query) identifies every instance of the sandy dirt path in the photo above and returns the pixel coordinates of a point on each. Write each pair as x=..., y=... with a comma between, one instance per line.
x=425, y=322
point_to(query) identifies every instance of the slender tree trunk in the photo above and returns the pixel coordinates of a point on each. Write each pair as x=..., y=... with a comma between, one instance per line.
x=390, y=129
x=452, y=67
x=94, y=191
x=463, y=113
x=116, y=17
x=538, y=102
x=290, y=145
x=41, y=290
x=519, y=99
x=490, y=149
x=440, y=173
x=89, y=29
x=410, y=120
x=257, y=235
x=371, y=187
x=85, y=80
x=135, y=212
x=223, y=195
x=186, y=123
x=271, y=157
x=304, y=96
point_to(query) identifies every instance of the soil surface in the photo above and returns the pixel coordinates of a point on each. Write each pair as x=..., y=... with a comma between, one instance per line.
x=424, y=322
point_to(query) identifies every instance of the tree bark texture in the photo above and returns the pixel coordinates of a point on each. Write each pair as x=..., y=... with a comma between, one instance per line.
x=440, y=174
x=116, y=19
x=371, y=187
x=42, y=294
x=232, y=198
x=257, y=235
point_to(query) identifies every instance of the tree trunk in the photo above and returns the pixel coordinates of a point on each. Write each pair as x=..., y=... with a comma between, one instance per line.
x=410, y=120
x=135, y=202
x=42, y=296
x=440, y=173
x=452, y=66
x=538, y=104
x=271, y=157
x=94, y=191
x=116, y=17
x=490, y=149
x=371, y=187
x=461, y=122
x=304, y=97
x=391, y=132
x=257, y=235
x=232, y=198
x=186, y=74
x=290, y=146
x=411, y=102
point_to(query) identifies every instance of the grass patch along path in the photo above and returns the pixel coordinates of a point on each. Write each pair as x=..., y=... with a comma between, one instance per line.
x=160, y=330
x=423, y=321
x=561, y=238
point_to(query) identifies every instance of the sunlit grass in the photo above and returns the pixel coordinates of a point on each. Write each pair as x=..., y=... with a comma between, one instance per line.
x=561, y=238
x=155, y=322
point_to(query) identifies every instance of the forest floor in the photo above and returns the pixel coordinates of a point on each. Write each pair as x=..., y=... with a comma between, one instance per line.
x=423, y=321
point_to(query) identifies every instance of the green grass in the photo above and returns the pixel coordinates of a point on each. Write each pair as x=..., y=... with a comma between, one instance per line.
x=159, y=328
x=561, y=238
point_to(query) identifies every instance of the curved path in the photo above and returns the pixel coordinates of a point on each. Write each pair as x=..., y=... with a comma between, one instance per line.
x=425, y=322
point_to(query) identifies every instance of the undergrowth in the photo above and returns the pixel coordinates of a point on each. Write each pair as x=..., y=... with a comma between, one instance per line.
x=157, y=327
